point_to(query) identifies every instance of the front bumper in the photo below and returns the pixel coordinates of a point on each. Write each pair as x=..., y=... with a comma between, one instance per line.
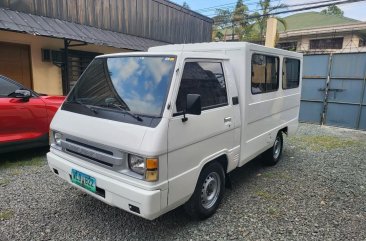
x=111, y=191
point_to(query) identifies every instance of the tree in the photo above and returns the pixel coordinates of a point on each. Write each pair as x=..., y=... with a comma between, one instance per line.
x=185, y=5
x=235, y=19
x=333, y=10
x=222, y=21
x=262, y=17
x=239, y=18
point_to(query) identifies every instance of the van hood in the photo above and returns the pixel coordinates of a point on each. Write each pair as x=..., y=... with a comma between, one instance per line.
x=124, y=136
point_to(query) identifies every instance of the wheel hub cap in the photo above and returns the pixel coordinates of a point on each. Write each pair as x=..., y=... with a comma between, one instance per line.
x=210, y=190
x=277, y=148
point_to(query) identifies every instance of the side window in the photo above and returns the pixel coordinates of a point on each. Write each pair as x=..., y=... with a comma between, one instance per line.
x=291, y=73
x=206, y=79
x=264, y=73
x=6, y=87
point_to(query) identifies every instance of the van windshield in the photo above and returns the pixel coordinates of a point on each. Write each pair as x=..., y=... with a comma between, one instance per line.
x=134, y=84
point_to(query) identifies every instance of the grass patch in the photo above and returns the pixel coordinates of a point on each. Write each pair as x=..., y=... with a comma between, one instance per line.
x=15, y=172
x=277, y=175
x=322, y=143
x=264, y=195
x=6, y=215
x=22, y=158
x=35, y=161
x=4, y=182
x=273, y=212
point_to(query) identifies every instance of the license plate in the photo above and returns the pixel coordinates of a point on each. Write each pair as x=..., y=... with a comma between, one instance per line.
x=83, y=180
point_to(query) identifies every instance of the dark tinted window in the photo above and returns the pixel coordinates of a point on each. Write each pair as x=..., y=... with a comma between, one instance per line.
x=329, y=43
x=291, y=46
x=264, y=73
x=7, y=87
x=291, y=73
x=206, y=79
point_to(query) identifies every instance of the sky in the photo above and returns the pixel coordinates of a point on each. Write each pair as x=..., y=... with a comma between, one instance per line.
x=352, y=10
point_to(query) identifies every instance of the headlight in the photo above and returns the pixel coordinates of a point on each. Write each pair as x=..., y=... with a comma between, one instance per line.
x=137, y=164
x=57, y=137
x=147, y=167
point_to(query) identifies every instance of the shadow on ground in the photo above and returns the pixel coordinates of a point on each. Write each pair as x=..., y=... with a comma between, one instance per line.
x=23, y=155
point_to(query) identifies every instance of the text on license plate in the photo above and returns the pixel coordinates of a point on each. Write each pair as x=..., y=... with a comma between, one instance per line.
x=83, y=180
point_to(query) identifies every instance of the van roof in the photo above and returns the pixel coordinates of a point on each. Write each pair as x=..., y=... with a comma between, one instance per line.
x=200, y=46
x=189, y=54
x=218, y=46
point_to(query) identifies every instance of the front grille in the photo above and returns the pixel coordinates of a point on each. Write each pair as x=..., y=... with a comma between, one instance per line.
x=91, y=158
x=90, y=146
x=97, y=153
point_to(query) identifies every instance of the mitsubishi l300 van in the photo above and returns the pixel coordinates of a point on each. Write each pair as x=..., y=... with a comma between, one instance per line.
x=150, y=131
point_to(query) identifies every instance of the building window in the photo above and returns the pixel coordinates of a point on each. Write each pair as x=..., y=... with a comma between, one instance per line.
x=264, y=73
x=329, y=43
x=291, y=73
x=206, y=79
x=77, y=62
x=291, y=46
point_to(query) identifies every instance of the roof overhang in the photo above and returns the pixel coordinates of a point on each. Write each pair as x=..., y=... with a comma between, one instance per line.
x=50, y=27
x=355, y=27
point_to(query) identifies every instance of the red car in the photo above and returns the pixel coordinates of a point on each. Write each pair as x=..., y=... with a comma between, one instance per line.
x=25, y=116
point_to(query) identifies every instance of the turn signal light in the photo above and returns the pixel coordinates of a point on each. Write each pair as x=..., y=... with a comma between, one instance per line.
x=151, y=173
x=152, y=163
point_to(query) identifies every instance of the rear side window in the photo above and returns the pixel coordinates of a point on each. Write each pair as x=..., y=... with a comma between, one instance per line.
x=6, y=87
x=206, y=79
x=264, y=73
x=291, y=73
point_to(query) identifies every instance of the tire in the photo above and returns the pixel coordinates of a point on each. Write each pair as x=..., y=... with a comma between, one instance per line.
x=273, y=155
x=208, y=193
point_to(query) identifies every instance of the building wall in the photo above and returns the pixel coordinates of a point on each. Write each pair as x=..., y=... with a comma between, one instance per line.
x=47, y=77
x=350, y=43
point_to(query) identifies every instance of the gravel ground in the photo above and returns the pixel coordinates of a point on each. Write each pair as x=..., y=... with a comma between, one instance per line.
x=317, y=192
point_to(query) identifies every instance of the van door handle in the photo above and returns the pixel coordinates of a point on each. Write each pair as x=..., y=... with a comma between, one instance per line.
x=227, y=119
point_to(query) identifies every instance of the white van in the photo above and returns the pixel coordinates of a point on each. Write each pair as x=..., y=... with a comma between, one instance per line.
x=150, y=131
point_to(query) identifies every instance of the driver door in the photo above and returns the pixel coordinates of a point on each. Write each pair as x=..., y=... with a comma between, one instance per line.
x=20, y=120
x=201, y=136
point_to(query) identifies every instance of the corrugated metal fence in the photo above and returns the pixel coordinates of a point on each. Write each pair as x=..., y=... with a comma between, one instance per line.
x=333, y=90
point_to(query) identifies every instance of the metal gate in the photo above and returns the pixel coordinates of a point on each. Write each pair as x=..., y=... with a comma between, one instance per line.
x=333, y=90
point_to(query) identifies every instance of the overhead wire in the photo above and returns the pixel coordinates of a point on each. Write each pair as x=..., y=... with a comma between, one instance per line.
x=318, y=5
x=276, y=7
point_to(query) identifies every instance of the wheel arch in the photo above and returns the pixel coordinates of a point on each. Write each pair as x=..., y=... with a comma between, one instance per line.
x=284, y=130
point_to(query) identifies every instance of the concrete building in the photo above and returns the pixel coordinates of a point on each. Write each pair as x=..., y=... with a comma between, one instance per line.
x=46, y=45
x=314, y=33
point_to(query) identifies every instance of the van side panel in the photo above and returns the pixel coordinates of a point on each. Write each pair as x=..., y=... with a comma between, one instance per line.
x=265, y=114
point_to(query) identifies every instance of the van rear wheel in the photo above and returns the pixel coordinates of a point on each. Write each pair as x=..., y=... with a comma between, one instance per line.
x=208, y=193
x=273, y=155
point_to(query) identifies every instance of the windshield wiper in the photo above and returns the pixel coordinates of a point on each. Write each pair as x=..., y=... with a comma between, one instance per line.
x=83, y=105
x=124, y=111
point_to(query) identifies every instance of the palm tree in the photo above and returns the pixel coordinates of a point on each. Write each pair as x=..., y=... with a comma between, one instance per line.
x=262, y=17
x=240, y=19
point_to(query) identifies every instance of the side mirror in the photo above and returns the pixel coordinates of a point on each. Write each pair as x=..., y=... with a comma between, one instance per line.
x=23, y=94
x=193, y=106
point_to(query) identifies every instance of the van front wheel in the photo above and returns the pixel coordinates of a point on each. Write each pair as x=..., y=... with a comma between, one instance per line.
x=273, y=155
x=208, y=193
